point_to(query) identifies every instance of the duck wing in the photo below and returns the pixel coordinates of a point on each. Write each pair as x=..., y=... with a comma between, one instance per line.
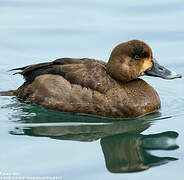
x=86, y=72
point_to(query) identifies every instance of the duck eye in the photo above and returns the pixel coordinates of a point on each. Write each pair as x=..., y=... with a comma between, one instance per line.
x=136, y=57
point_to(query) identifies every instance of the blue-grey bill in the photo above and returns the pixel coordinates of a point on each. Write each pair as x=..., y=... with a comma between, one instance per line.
x=162, y=72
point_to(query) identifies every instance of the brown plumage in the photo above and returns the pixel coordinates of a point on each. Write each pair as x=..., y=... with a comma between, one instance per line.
x=92, y=86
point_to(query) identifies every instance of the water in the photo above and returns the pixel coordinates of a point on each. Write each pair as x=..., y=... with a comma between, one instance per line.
x=37, y=142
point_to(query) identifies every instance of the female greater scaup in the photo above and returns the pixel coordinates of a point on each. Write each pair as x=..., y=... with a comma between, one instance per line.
x=95, y=87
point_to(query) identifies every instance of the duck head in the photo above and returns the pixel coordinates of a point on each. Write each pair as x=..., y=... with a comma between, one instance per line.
x=134, y=58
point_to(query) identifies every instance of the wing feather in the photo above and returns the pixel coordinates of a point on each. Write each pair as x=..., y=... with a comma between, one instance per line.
x=88, y=73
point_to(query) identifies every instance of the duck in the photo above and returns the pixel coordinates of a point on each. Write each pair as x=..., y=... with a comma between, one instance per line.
x=94, y=87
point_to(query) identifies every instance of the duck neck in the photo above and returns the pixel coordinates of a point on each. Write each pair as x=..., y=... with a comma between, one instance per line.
x=115, y=70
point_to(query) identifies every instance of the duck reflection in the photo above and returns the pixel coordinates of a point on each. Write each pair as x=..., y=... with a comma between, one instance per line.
x=125, y=148
x=130, y=152
x=82, y=132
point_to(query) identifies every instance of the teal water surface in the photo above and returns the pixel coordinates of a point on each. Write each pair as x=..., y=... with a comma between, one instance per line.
x=41, y=143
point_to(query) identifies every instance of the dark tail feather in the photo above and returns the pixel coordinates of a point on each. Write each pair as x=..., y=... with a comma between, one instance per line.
x=15, y=69
x=17, y=73
x=20, y=68
x=8, y=93
x=30, y=68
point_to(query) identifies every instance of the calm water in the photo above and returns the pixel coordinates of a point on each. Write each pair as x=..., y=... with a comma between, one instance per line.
x=37, y=142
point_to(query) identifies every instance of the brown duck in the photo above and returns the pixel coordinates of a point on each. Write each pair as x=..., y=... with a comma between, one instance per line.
x=95, y=87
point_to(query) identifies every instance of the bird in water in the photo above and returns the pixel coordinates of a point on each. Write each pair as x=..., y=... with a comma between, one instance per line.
x=90, y=86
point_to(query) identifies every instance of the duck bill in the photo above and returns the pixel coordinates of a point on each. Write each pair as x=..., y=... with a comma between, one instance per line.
x=162, y=72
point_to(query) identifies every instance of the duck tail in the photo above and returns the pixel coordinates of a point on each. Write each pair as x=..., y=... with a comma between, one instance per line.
x=8, y=93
